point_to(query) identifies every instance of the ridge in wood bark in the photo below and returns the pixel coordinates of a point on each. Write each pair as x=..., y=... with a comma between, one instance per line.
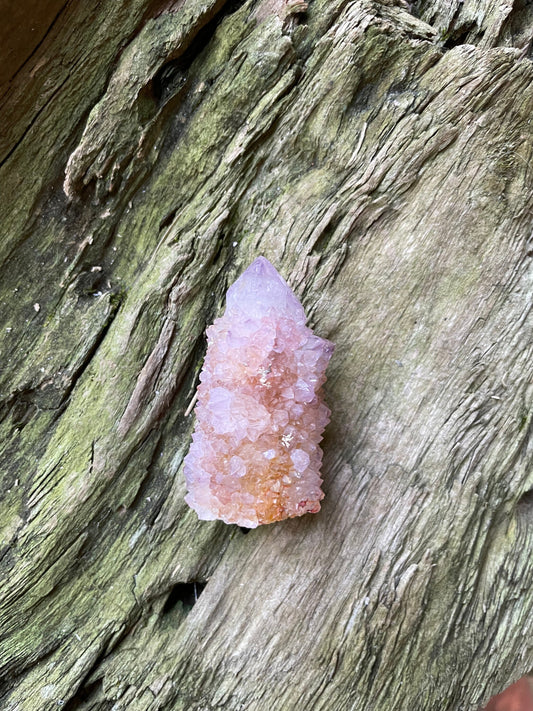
x=486, y=23
x=122, y=128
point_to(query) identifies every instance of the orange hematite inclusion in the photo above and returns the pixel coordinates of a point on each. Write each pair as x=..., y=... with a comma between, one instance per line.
x=255, y=457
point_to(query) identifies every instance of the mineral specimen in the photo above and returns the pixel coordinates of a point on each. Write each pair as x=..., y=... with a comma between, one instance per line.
x=255, y=457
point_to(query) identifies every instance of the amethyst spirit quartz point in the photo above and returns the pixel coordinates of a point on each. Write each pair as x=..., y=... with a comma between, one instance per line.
x=255, y=455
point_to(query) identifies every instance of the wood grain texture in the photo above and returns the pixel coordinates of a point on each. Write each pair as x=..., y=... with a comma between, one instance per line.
x=150, y=153
x=487, y=23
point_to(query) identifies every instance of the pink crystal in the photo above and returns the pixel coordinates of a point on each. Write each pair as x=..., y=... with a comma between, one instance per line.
x=255, y=457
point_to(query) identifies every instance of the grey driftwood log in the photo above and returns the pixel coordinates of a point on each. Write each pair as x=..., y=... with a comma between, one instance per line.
x=380, y=155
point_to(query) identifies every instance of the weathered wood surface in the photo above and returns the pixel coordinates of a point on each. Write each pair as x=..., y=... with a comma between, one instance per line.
x=149, y=152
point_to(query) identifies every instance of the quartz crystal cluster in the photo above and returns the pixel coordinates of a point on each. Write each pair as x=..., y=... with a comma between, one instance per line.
x=255, y=455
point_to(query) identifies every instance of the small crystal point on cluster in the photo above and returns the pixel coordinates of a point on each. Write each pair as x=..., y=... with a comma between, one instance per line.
x=255, y=455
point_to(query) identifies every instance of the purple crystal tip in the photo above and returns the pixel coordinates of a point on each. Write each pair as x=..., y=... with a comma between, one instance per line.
x=259, y=289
